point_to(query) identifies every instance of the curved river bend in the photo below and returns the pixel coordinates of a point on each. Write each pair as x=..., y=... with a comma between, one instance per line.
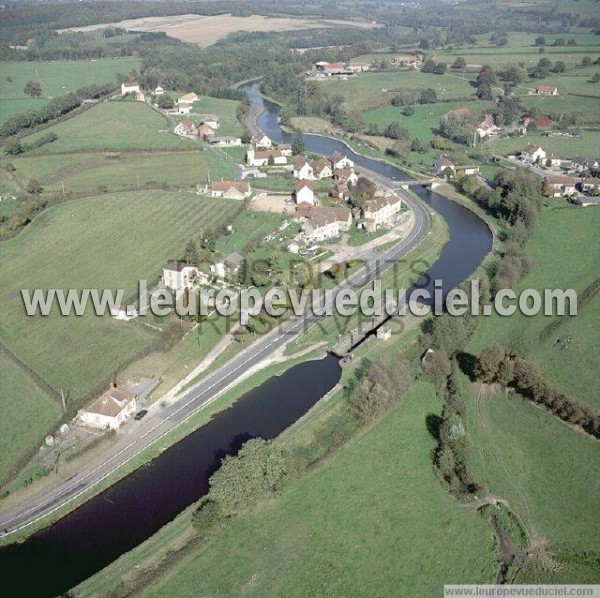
x=58, y=558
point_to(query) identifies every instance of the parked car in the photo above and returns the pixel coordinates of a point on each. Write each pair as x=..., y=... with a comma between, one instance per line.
x=140, y=414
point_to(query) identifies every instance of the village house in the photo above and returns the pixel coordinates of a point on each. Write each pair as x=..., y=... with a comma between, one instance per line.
x=303, y=193
x=188, y=98
x=130, y=87
x=546, y=90
x=340, y=191
x=322, y=223
x=285, y=149
x=380, y=211
x=110, y=410
x=580, y=164
x=261, y=158
x=185, y=127
x=230, y=189
x=533, y=153
x=322, y=169
x=302, y=168
x=205, y=131
x=263, y=142
x=178, y=275
x=338, y=160
x=332, y=69
x=591, y=185
x=588, y=200
x=556, y=161
x=359, y=67
x=184, y=108
x=159, y=91
x=140, y=96
x=443, y=167
x=346, y=175
x=229, y=266
x=211, y=120
x=409, y=60
x=225, y=141
x=559, y=185
x=462, y=170
x=487, y=127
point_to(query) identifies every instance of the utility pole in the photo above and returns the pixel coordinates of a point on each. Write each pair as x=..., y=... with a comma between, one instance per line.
x=62, y=396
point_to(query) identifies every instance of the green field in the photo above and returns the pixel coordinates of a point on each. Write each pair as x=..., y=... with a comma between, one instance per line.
x=426, y=118
x=225, y=109
x=585, y=145
x=373, y=90
x=107, y=242
x=566, y=254
x=371, y=521
x=521, y=48
x=27, y=412
x=56, y=78
x=86, y=173
x=546, y=471
x=112, y=125
x=586, y=108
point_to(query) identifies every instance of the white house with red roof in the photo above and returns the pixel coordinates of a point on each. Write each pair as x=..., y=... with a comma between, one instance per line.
x=546, y=90
x=302, y=168
x=110, y=410
x=303, y=193
x=261, y=158
x=130, y=87
x=185, y=127
x=230, y=189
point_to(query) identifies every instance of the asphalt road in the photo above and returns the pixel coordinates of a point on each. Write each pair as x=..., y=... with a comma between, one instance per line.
x=147, y=431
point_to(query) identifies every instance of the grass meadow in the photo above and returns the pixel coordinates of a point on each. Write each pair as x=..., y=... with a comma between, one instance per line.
x=585, y=145
x=566, y=255
x=548, y=473
x=112, y=126
x=56, y=78
x=87, y=173
x=107, y=242
x=369, y=91
x=225, y=109
x=27, y=412
x=368, y=521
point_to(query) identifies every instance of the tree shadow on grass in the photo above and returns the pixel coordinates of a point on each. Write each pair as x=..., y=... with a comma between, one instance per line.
x=466, y=363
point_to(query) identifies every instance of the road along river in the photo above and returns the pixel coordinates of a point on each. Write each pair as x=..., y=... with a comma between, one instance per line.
x=92, y=536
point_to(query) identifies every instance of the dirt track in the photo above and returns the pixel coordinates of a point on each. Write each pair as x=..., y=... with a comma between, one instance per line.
x=205, y=30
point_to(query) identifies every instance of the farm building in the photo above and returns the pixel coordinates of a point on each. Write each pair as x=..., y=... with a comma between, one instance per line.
x=110, y=410
x=230, y=189
x=130, y=87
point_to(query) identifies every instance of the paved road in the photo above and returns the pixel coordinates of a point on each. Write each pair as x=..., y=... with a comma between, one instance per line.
x=144, y=433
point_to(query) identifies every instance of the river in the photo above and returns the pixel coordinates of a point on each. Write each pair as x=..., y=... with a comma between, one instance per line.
x=56, y=559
